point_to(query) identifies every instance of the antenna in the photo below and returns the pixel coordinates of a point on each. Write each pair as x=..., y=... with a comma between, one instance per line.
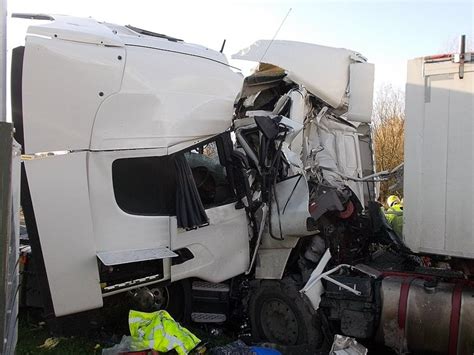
x=276, y=33
x=222, y=47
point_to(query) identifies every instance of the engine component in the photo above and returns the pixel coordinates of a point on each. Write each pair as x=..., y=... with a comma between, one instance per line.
x=315, y=250
x=355, y=315
x=326, y=200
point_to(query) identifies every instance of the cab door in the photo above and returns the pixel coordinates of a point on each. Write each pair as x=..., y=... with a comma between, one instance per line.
x=218, y=248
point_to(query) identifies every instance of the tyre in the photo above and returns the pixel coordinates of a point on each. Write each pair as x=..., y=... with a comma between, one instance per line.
x=179, y=301
x=279, y=314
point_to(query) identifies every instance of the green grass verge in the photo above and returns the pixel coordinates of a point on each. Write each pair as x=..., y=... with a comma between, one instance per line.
x=32, y=336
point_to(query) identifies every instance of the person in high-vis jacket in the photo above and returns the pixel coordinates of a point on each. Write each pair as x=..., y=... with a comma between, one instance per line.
x=394, y=214
x=160, y=332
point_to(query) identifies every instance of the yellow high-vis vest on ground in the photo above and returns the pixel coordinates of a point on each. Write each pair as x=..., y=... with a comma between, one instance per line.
x=160, y=332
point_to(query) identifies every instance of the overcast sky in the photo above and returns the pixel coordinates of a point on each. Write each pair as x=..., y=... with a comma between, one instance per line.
x=388, y=33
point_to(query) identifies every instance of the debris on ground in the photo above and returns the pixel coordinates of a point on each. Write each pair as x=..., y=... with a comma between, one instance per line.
x=344, y=345
x=240, y=348
x=120, y=348
x=49, y=343
x=236, y=347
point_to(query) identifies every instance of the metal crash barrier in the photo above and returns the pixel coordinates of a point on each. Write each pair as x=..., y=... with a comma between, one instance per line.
x=9, y=239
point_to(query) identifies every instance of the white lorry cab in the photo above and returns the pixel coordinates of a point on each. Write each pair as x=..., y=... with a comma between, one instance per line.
x=157, y=171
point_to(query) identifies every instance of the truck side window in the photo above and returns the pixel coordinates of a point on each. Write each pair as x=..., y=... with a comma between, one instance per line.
x=144, y=186
x=148, y=185
x=210, y=175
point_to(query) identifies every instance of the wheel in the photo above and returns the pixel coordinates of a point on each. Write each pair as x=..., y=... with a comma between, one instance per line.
x=179, y=300
x=174, y=298
x=279, y=314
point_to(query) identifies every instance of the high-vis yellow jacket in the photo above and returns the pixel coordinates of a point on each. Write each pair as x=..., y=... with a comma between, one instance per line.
x=394, y=217
x=160, y=332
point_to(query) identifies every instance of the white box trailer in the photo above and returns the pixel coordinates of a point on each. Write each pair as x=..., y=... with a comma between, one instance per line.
x=438, y=181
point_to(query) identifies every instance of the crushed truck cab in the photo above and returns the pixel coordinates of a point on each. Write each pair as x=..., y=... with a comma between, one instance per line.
x=117, y=108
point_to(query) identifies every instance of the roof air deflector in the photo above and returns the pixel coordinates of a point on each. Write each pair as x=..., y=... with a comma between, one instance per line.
x=153, y=34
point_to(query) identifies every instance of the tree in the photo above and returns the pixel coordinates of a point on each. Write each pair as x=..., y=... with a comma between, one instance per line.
x=388, y=132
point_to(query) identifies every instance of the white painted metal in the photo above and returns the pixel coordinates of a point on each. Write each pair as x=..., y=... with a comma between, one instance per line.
x=62, y=82
x=438, y=178
x=271, y=263
x=76, y=29
x=338, y=153
x=221, y=249
x=289, y=208
x=298, y=112
x=88, y=30
x=86, y=86
x=166, y=98
x=60, y=197
x=314, y=288
x=109, y=258
x=127, y=231
x=272, y=256
x=323, y=71
x=361, y=89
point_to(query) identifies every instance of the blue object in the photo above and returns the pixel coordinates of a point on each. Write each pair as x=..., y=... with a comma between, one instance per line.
x=265, y=351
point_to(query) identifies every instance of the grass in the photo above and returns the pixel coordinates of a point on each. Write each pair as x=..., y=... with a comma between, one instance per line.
x=31, y=339
x=32, y=335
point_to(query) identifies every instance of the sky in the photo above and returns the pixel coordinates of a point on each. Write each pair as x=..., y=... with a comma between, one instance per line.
x=388, y=33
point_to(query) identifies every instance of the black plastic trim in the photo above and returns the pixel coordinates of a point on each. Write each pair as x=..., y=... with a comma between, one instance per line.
x=16, y=88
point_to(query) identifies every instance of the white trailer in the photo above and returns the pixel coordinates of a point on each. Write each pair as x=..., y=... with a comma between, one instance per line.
x=438, y=179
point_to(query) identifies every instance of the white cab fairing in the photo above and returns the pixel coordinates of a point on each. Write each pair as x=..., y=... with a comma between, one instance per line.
x=338, y=76
x=88, y=85
x=165, y=99
x=62, y=82
x=60, y=196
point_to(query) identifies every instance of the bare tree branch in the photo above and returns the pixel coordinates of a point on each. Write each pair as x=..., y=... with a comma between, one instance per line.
x=388, y=123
